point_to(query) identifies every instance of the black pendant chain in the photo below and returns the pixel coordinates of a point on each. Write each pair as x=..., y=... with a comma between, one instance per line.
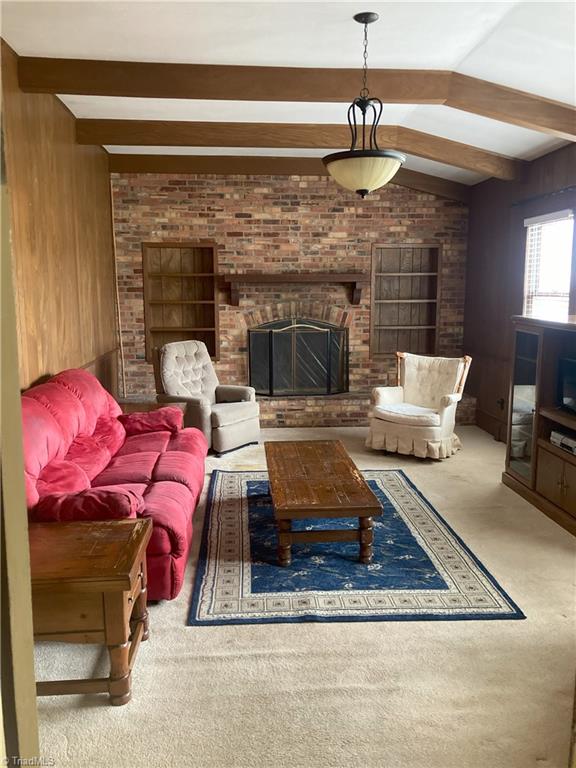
x=364, y=92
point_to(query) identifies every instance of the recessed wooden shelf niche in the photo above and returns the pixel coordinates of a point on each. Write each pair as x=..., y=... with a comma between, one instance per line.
x=405, y=297
x=180, y=294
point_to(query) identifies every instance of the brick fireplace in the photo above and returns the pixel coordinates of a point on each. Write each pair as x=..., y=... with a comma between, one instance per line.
x=285, y=225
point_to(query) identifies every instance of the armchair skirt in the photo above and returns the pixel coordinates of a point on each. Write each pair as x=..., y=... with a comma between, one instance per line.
x=424, y=442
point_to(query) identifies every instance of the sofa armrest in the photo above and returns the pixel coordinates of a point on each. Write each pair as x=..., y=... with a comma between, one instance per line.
x=387, y=395
x=161, y=419
x=234, y=393
x=102, y=503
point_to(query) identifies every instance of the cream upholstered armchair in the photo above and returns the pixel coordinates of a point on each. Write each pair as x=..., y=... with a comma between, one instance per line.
x=418, y=416
x=228, y=415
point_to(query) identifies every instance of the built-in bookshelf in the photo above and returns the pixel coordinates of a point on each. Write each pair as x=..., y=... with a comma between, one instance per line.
x=405, y=295
x=180, y=294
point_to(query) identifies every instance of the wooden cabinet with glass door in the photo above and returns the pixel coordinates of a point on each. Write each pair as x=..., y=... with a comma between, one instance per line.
x=542, y=412
x=523, y=398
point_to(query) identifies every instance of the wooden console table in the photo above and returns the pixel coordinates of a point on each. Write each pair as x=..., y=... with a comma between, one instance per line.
x=89, y=586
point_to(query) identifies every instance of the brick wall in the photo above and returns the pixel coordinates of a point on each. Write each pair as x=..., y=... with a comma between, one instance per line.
x=277, y=224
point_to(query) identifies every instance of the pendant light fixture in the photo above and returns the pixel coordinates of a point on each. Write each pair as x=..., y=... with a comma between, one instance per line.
x=367, y=168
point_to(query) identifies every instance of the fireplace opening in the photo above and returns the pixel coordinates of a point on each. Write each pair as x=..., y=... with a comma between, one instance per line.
x=298, y=357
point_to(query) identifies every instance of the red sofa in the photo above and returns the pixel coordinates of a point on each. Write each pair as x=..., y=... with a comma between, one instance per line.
x=84, y=460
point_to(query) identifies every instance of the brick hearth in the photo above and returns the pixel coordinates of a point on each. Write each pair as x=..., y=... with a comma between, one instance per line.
x=349, y=410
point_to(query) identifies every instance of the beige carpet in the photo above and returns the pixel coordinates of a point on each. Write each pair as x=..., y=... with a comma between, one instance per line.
x=493, y=694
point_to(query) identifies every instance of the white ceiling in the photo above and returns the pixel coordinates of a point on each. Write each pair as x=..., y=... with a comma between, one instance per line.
x=442, y=121
x=259, y=33
x=111, y=107
x=412, y=163
x=533, y=50
x=526, y=45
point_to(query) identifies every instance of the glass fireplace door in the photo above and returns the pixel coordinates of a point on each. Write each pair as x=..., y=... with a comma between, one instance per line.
x=298, y=357
x=311, y=349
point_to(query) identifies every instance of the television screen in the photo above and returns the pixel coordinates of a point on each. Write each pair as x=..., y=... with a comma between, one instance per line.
x=567, y=384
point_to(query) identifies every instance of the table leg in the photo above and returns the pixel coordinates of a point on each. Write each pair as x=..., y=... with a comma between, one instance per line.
x=119, y=682
x=117, y=631
x=284, y=542
x=366, y=536
x=140, y=612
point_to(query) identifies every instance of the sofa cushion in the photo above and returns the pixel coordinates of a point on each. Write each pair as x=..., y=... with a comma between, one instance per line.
x=88, y=454
x=151, y=441
x=106, y=503
x=129, y=468
x=95, y=400
x=231, y=413
x=110, y=433
x=169, y=418
x=191, y=440
x=64, y=407
x=62, y=477
x=180, y=467
x=406, y=413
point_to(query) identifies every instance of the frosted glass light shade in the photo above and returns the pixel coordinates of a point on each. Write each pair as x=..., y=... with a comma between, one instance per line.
x=363, y=171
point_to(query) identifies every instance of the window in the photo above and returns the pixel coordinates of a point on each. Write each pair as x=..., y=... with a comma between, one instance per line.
x=549, y=266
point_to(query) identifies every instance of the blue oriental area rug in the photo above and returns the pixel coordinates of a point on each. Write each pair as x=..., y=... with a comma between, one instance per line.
x=421, y=569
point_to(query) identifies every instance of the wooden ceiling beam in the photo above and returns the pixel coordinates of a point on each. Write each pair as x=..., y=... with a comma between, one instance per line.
x=213, y=81
x=457, y=154
x=271, y=166
x=200, y=134
x=292, y=135
x=226, y=82
x=524, y=109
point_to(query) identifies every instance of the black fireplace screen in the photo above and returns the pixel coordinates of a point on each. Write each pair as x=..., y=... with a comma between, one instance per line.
x=298, y=357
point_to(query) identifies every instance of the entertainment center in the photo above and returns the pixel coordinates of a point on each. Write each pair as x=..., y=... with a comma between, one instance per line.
x=540, y=465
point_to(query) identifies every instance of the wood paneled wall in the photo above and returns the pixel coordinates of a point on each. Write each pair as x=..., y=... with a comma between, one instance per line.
x=61, y=229
x=495, y=271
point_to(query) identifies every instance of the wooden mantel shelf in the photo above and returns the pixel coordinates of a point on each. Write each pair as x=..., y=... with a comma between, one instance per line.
x=358, y=281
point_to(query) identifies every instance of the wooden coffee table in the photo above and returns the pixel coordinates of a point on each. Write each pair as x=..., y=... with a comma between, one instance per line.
x=316, y=479
x=89, y=586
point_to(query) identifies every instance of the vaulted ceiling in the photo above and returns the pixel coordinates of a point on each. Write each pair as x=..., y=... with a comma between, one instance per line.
x=471, y=89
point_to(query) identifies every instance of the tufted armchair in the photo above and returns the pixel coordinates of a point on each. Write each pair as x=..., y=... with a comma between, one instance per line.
x=418, y=416
x=228, y=415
